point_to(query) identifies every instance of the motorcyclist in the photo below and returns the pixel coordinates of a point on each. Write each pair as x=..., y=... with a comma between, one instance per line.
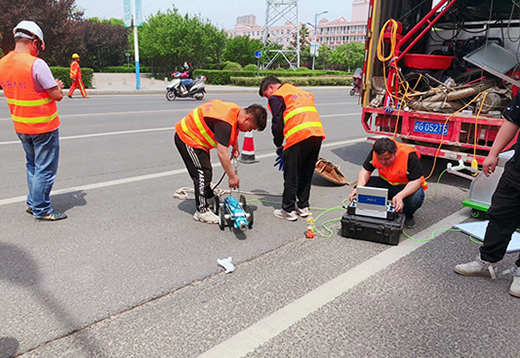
x=188, y=77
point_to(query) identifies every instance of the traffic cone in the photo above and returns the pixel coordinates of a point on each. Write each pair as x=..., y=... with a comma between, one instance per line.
x=248, y=149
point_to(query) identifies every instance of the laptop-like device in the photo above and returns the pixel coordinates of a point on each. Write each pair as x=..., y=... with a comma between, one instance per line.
x=373, y=202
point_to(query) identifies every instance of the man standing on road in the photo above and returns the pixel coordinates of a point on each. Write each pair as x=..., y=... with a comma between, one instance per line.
x=215, y=124
x=75, y=75
x=399, y=171
x=31, y=93
x=504, y=213
x=296, y=119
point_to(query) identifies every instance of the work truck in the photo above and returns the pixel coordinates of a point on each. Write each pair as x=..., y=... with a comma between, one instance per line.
x=437, y=74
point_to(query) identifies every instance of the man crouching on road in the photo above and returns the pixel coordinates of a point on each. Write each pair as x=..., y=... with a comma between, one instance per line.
x=400, y=172
x=215, y=124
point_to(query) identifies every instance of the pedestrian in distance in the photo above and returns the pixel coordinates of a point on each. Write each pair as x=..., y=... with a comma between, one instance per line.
x=400, y=172
x=296, y=120
x=32, y=93
x=214, y=125
x=504, y=213
x=75, y=76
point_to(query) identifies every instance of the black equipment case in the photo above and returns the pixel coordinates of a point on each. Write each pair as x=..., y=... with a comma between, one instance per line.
x=372, y=229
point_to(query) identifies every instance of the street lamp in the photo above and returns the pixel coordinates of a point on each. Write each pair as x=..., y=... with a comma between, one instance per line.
x=316, y=35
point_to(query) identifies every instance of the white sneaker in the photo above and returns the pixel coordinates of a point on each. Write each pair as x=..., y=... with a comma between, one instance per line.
x=478, y=267
x=303, y=212
x=206, y=217
x=282, y=214
x=514, y=290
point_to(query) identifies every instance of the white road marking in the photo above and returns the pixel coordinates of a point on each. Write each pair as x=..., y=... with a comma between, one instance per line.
x=253, y=337
x=152, y=130
x=19, y=199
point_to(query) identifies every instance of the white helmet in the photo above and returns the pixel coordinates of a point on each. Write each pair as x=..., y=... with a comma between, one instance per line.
x=31, y=27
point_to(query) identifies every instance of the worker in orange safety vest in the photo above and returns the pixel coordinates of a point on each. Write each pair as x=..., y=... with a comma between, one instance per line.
x=32, y=92
x=75, y=76
x=400, y=172
x=213, y=125
x=296, y=120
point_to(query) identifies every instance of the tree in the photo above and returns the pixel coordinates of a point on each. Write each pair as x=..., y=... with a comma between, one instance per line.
x=242, y=49
x=323, y=59
x=168, y=39
x=304, y=37
x=349, y=56
x=57, y=18
x=104, y=43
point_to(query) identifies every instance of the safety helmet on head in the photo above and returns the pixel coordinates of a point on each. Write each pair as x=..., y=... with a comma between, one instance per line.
x=74, y=56
x=27, y=28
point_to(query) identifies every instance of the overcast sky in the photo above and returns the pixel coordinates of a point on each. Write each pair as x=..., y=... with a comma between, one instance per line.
x=222, y=13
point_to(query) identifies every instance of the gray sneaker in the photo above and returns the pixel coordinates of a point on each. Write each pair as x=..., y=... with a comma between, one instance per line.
x=478, y=267
x=282, y=214
x=303, y=212
x=514, y=290
x=206, y=217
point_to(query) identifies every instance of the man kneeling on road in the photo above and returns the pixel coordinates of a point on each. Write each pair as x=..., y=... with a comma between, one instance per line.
x=215, y=124
x=400, y=172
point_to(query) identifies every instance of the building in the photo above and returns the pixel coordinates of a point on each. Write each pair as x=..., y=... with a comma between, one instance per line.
x=331, y=33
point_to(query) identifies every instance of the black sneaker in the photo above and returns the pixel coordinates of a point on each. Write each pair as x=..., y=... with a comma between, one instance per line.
x=54, y=216
x=409, y=222
x=28, y=210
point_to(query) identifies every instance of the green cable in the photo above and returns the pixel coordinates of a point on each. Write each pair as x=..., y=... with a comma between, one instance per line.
x=475, y=241
x=431, y=237
x=438, y=184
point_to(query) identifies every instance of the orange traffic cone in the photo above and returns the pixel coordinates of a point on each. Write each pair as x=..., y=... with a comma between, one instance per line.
x=248, y=149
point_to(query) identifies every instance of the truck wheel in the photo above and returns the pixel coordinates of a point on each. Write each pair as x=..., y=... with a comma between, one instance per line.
x=170, y=95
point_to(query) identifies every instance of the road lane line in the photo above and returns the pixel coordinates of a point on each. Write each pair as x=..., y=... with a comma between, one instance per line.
x=105, y=184
x=261, y=332
x=152, y=130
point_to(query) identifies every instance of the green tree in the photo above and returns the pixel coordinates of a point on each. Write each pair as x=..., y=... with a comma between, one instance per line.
x=168, y=39
x=242, y=49
x=323, y=59
x=304, y=37
x=349, y=56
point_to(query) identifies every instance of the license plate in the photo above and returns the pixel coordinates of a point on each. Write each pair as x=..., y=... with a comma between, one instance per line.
x=430, y=127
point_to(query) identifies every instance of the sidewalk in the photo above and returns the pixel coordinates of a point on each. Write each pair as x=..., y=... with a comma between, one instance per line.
x=124, y=83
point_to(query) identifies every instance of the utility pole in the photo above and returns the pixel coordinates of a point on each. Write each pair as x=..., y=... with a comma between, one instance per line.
x=315, y=40
x=133, y=16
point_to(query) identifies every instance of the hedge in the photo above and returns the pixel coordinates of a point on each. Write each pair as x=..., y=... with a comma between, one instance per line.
x=126, y=69
x=297, y=81
x=224, y=77
x=251, y=67
x=63, y=73
x=232, y=66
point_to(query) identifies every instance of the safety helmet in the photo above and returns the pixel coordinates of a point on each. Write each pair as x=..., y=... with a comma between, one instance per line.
x=27, y=28
x=74, y=56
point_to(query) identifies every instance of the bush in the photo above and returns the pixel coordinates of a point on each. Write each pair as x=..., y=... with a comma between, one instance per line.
x=297, y=81
x=302, y=69
x=224, y=77
x=232, y=66
x=251, y=67
x=126, y=69
x=63, y=73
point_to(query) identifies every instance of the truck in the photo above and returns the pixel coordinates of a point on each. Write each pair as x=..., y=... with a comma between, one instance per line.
x=437, y=75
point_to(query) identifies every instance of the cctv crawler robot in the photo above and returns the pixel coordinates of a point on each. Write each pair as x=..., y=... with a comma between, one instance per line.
x=234, y=213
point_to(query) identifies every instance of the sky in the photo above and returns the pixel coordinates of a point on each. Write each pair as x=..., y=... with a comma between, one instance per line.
x=222, y=13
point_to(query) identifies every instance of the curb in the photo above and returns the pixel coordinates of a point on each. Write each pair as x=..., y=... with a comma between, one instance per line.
x=209, y=89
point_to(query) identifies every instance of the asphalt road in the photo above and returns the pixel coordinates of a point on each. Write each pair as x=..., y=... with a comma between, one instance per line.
x=131, y=274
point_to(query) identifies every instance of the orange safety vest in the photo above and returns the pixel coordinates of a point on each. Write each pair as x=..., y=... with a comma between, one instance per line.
x=301, y=119
x=396, y=173
x=194, y=131
x=75, y=70
x=32, y=112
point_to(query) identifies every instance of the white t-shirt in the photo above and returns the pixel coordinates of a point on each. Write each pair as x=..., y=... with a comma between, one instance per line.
x=42, y=76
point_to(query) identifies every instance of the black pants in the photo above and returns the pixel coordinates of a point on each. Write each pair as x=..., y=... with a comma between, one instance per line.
x=198, y=163
x=504, y=215
x=300, y=160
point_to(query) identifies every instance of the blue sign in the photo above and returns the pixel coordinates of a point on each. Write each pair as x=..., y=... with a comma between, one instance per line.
x=128, y=13
x=258, y=54
x=372, y=200
x=430, y=127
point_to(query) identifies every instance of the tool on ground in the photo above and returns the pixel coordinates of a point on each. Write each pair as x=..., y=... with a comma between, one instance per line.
x=327, y=170
x=310, y=227
x=234, y=212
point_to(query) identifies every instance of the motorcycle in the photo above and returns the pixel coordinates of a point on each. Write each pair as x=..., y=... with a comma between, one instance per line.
x=196, y=90
x=357, y=82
